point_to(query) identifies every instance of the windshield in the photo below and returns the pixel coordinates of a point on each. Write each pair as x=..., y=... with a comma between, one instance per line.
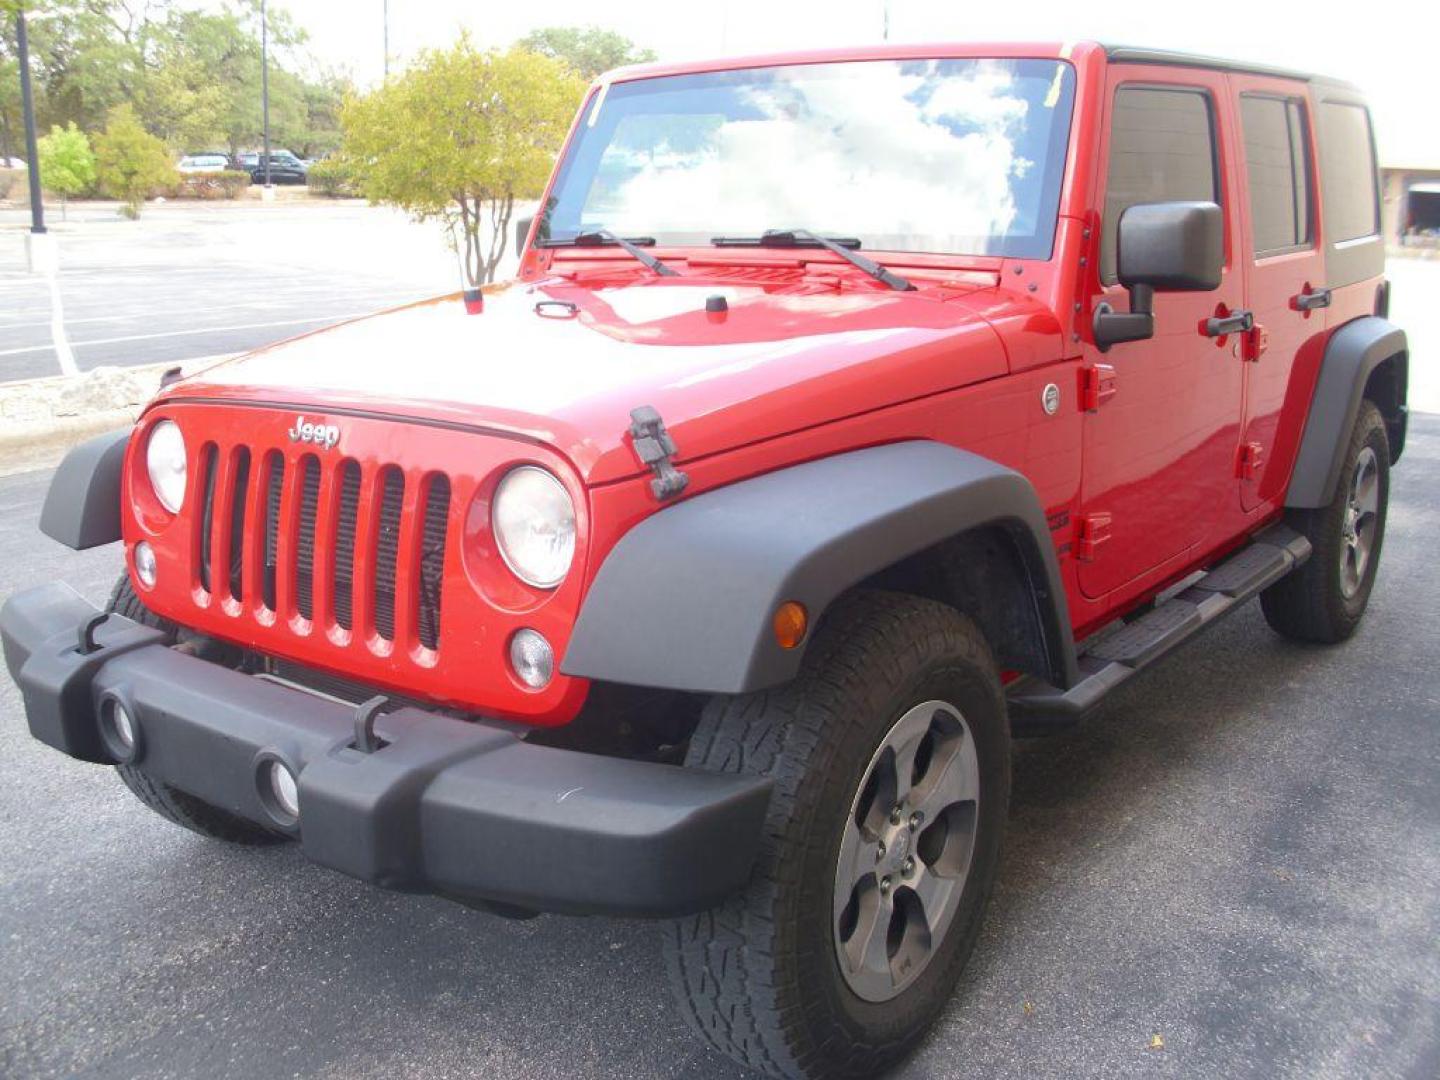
x=961, y=156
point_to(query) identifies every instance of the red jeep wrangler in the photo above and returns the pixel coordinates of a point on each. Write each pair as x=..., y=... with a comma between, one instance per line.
x=851, y=411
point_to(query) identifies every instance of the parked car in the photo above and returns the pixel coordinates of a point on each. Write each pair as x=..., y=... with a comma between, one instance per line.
x=788, y=488
x=285, y=168
x=203, y=163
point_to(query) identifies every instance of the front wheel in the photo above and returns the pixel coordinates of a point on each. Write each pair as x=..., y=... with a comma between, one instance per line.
x=890, y=756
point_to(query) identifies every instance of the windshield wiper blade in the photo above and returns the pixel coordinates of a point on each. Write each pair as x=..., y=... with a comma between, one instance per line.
x=605, y=238
x=842, y=246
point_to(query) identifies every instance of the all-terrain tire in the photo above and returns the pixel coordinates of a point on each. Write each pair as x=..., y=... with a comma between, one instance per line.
x=759, y=977
x=1313, y=603
x=169, y=802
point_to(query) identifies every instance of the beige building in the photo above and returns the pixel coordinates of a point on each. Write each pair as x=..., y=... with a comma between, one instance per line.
x=1410, y=205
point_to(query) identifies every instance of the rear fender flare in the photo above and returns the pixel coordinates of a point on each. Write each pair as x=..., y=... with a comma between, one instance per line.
x=1351, y=356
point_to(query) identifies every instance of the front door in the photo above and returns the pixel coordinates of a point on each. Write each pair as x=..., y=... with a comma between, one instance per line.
x=1159, y=453
x=1285, y=274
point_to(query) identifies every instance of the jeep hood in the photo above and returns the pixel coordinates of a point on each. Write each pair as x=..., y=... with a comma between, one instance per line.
x=564, y=364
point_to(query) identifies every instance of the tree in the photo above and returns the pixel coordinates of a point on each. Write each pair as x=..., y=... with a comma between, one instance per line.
x=588, y=50
x=460, y=136
x=67, y=164
x=131, y=162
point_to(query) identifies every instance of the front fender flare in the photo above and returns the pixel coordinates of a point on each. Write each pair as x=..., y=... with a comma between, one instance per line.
x=685, y=599
x=82, y=507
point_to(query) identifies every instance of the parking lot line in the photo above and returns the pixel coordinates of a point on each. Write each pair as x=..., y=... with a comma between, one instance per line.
x=193, y=331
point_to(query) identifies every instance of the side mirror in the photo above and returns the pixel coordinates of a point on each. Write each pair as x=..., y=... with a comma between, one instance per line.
x=522, y=230
x=1169, y=247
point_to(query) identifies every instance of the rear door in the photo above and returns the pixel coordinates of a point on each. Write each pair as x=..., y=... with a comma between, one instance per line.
x=1285, y=275
x=1159, y=453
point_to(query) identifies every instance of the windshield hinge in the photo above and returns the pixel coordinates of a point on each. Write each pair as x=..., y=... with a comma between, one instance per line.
x=654, y=447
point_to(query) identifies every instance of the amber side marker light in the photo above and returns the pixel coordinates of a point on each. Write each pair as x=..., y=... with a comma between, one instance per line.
x=791, y=622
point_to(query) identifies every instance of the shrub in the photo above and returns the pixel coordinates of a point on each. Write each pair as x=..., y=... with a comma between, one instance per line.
x=331, y=179
x=13, y=182
x=211, y=185
x=131, y=162
x=67, y=164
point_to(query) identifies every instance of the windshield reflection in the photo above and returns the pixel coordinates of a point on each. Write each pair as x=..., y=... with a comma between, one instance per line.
x=941, y=155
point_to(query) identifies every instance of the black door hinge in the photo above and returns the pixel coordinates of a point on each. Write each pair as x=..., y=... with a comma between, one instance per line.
x=654, y=447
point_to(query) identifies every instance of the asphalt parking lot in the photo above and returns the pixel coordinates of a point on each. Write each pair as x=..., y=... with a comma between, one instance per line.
x=197, y=280
x=1233, y=871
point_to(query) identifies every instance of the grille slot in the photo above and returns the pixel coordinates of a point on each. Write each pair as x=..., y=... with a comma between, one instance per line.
x=274, y=489
x=237, y=519
x=432, y=558
x=387, y=550
x=342, y=584
x=207, y=513
x=305, y=542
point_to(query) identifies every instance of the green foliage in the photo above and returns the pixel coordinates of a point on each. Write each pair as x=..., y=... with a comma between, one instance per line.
x=191, y=72
x=331, y=179
x=131, y=162
x=459, y=137
x=67, y=164
x=588, y=50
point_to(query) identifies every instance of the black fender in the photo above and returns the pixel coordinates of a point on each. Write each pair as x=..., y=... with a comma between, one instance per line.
x=82, y=507
x=686, y=599
x=1351, y=356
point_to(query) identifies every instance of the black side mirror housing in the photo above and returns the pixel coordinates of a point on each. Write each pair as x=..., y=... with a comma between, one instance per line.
x=522, y=230
x=1169, y=247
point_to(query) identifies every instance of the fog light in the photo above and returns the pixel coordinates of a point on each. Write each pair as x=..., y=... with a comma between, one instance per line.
x=122, y=725
x=284, y=789
x=145, y=564
x=532, y=658
x=120, y=734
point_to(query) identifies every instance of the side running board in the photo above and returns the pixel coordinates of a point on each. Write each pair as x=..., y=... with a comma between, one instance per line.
x=1035, y=705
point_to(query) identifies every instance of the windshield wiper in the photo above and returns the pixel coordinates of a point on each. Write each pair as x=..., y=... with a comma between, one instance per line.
x=605, y=238
x=842, y=246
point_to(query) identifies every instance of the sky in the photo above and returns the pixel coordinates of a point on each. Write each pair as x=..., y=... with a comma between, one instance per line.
x=1390, y=57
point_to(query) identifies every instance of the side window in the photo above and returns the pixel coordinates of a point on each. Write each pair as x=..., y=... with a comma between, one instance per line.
x=1162, y=148
x=1276, y=162
x=1347, y=165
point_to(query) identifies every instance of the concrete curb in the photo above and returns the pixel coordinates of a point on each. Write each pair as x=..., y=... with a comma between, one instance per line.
x=40, y=419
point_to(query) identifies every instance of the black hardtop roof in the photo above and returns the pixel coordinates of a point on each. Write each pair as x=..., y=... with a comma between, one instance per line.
x=1131, y=54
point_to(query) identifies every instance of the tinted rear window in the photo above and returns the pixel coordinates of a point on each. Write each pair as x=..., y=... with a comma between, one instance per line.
x=1347, y=167
x=1276, y=163
x=1162, y=148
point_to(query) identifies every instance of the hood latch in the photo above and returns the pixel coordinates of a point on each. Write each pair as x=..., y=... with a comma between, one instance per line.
x=654, y=447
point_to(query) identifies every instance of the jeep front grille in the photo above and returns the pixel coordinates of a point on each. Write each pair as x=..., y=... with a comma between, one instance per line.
x=281, y=514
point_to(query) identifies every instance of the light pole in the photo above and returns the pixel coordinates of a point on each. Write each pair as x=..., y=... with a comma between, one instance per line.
x=265, y=88
x=385, y=14
x=27, y=106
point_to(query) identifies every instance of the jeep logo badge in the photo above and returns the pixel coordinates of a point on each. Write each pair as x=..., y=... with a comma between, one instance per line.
x=326, y=435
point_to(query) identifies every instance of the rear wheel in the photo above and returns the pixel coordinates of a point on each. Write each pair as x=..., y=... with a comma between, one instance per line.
x=1323, y=601
x=169, y=802
x=890, y=757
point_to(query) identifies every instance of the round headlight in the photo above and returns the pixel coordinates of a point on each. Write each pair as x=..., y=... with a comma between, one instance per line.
x=534, y=523
x=165, y=462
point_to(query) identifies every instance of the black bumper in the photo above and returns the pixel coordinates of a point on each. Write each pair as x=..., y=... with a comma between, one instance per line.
x=467, y=810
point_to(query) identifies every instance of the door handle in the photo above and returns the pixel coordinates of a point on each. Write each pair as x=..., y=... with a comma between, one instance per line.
x=1311, y=299
x=1237, y=322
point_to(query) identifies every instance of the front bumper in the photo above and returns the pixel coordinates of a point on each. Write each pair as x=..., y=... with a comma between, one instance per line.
x=467, y=810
